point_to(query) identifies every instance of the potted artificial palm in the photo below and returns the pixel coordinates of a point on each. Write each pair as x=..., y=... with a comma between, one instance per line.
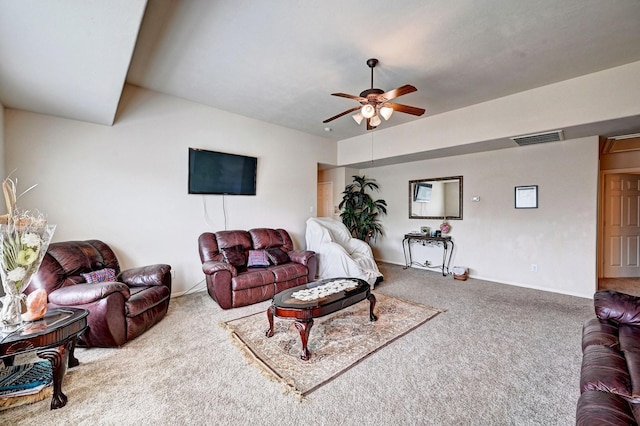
x=359, y=211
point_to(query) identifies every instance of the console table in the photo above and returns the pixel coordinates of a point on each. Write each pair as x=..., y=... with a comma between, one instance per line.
x=425, y=240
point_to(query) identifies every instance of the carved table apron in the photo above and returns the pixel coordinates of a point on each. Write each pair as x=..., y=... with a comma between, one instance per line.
x=54, y=339
x=303, y=312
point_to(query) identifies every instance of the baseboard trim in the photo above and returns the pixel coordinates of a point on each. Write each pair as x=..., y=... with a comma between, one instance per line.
x=515, y=284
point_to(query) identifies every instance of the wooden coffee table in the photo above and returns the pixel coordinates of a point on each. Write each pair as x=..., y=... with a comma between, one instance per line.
x=54, y=339
x=283, y=305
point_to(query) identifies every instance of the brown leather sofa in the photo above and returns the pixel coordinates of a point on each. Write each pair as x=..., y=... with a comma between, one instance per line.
x=610, y=374
x=120, y=309
x=234, y=281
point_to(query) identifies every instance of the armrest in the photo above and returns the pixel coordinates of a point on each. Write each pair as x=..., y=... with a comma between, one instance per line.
x=358, y=246
x=308, y=259
x=81, y=294
x=301, y=256
x=146, y=275
x=212, y=266
x=619, y=307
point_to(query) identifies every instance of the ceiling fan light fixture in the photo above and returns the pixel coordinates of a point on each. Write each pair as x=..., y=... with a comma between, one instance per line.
x=368, y=111
x=374, y=103
x=386, y=112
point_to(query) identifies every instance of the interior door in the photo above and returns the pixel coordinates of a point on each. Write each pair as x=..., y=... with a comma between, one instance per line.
x=325, y=199
x=621, y=226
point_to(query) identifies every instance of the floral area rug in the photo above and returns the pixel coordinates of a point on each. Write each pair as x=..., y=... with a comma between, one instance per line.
x=337, y=341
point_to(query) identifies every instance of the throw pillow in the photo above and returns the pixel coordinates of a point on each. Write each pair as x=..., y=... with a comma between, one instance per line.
x=100, y=276
x=277, y=256
x=235, y=256
x=258, y=258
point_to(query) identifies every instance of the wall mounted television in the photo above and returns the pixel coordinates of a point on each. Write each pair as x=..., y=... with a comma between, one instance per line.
x=212, y=172
x=422, y=192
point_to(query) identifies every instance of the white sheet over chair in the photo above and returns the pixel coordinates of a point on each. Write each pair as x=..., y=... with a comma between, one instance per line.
x=338, y=254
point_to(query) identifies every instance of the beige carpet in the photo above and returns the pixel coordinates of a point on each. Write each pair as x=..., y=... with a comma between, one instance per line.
x=337, y=341
x=499, y=355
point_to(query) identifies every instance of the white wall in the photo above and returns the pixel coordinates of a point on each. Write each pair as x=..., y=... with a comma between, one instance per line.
x=495, y=240
x=127, y=184
x=597, y=97
x=340, y=177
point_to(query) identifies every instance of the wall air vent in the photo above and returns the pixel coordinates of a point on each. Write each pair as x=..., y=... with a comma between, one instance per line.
x=553, y=136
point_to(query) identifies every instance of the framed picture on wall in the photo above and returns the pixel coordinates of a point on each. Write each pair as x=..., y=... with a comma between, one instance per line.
x=526, y=197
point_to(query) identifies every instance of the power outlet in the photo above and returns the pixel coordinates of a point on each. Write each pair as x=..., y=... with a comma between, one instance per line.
x=534, y=267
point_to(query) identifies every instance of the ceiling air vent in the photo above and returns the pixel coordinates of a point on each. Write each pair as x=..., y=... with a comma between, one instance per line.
x=537, y=138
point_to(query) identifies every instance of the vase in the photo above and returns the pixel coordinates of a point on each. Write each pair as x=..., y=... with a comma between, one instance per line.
x=13, y=305
x=22, y=248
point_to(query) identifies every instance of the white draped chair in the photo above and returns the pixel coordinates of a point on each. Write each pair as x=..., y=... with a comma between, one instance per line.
x=338, y=253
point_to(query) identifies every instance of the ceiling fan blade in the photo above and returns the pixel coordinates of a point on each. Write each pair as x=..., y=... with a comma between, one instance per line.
x=392, y=94
x=405, y=108
x=345, y=95
x=341, y=114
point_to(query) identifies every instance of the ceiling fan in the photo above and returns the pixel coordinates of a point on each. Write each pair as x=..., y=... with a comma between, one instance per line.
x=375, y=103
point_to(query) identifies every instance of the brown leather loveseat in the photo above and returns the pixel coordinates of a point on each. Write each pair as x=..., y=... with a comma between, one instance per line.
x=246, y=267
x=610, y=374
x=122, y=304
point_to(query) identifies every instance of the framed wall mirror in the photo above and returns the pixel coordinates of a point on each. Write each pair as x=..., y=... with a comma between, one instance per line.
x=436, y=198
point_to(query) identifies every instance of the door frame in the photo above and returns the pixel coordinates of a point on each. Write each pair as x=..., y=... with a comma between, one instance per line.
x=601, y=212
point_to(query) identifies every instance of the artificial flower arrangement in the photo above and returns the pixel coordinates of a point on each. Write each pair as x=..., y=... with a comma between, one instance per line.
x=24, y=238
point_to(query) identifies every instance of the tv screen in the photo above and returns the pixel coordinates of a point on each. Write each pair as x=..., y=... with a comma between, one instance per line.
x=422, y=192
x=213, y=172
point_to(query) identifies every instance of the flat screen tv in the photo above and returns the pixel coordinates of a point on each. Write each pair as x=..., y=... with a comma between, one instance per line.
x=213, y=172
x=422, y=192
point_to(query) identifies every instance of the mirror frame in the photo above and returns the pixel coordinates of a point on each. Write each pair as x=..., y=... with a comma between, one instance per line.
x=413, y=182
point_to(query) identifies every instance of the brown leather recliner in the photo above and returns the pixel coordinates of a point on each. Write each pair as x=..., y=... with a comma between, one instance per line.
x=119, y=310
x=610, y=373
x=234, y=282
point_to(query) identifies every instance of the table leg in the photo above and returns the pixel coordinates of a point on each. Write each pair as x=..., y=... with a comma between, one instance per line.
x=372, y=304
x=73, y=361
x=304, y=327
x=58, y=357
x=407, y=260
x=270, y=312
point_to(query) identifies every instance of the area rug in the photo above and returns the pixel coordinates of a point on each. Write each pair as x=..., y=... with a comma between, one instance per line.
x=337, y=341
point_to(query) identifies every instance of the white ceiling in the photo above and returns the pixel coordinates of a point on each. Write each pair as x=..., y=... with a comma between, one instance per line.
x=279, y=61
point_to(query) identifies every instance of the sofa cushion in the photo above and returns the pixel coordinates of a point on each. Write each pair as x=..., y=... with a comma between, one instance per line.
x=251, y=279
x=258, y=258
x=100, y=276
x=605, y=369
x=277, y=256
x=633, y=366
x=599, y=332
x=619, y=307
x=145, y=298
x=226, y=239
x=602, y=408
x=235, y=256
x=263, y=238
x=629, y=336
x=288, y=271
